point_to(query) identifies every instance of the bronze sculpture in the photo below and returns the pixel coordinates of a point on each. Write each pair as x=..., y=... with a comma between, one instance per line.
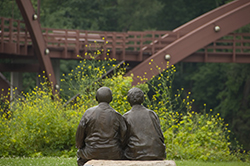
x=101, y=132
x=145, y=137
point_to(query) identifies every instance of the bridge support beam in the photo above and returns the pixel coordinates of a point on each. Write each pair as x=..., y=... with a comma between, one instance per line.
x=4, y=88
x=56, y=68
x=16, y=75
x=41, y=51
x=16, y=82
x=16, y=69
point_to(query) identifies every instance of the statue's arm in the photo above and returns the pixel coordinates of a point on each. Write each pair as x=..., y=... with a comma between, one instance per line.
x=157, y=125
x=123, y=131
x=80, y=133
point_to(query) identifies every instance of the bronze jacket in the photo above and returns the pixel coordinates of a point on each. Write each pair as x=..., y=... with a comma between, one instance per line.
x=101, y=133
x=145, y=138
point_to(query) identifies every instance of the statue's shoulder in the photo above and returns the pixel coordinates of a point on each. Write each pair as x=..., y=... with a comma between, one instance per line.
x=90, y=110
x=117, y=114
x=153, y=115
x=127, y=113
x=151, y=111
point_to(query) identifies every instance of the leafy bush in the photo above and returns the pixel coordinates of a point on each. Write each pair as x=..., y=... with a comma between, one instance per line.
x=37, y=125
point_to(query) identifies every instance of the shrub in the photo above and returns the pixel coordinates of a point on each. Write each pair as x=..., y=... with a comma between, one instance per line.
x=37, y=124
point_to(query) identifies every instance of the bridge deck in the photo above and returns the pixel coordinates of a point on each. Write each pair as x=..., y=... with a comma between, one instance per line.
x=15, y=42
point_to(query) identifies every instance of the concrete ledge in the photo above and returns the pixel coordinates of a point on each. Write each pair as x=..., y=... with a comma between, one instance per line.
x=130, y=163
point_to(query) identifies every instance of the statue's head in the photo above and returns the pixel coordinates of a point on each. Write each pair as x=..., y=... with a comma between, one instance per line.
x=104, y=94
x=135, y=96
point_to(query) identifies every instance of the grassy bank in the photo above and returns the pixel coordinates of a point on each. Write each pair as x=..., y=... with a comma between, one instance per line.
x=42, y=161
x=55, y=161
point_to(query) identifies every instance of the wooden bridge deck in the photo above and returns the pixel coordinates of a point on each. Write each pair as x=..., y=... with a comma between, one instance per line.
x=16, y=42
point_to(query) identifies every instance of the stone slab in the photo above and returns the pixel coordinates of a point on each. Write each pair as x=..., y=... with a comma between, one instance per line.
x=130, y=163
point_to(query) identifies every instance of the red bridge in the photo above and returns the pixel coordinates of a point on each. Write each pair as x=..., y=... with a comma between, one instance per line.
x=208, y=38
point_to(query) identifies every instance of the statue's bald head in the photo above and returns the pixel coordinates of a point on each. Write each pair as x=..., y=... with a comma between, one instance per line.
x=104, y=94
x=135, y=96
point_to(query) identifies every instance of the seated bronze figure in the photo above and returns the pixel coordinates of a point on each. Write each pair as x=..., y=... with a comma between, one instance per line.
x=101, y=132
x=145, y=137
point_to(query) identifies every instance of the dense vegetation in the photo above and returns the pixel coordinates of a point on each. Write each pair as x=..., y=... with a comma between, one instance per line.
x=115, y=15
x=224, y=88
x=36, y=125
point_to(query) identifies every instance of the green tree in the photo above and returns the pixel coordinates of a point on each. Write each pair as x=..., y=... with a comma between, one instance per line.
x=177, y=12
x=235, y=101
x=138, y=16
x=208, y=81
x=9, y=9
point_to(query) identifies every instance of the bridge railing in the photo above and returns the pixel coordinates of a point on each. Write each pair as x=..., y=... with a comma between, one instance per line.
x=235, y=43
x=132, y=41
x=13, y=32
x=83, y=41
x=14, y=37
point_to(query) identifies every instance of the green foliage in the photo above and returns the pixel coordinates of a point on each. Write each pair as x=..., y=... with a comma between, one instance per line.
x=161, y=97
x=188, y=134
x=114, y=15
x=38, y=126
x=197, y=136
x=208, y=80
x=188, y=8
x=9, y=9
x=142, y=14
x=235, y=101
x=120, y=87
x=225, y=89
x=19, y=132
